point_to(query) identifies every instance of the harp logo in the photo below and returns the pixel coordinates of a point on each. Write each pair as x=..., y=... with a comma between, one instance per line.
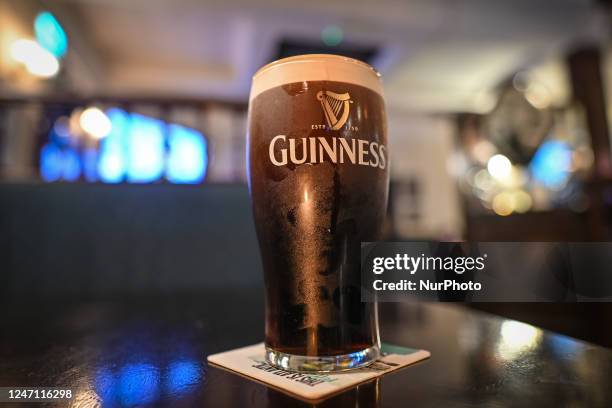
x=336, y=108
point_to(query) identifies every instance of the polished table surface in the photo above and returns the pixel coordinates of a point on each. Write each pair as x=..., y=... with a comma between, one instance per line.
x=152, y=352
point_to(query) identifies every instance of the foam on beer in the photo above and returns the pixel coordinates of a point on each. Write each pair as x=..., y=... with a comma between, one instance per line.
x=315, y=67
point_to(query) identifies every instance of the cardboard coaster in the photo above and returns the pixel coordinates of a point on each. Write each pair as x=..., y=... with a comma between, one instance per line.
x=249, y=361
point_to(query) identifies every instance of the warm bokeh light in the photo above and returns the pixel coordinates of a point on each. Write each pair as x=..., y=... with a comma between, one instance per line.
x=23, y=50
x=46, y=66
x=37, y=60
x=74, y=122
x=499, y=167
x=517, y=178
x=95, y=122
x=538, y=96
x=483, y=150
x=522, y=201
x=503, y=204
x=582, y=159
x=507, y=202
x=483, y=180
x=484, y=102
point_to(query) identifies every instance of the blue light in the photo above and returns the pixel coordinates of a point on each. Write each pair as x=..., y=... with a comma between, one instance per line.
x=105, y=385
x=50, y=34
x=551, y=164
x=146, y=149
x=71, y=165
x=138, y=384
x=138, y=149
x=120, y=122
x=182, y=376
x=51, y=162
x=113, y=154
x=59, y=164
x=564, y=346
x=90, y=160
x=111, y=166
x=188, y=157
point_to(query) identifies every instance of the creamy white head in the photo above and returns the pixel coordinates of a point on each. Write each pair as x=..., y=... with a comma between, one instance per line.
x=315, y=67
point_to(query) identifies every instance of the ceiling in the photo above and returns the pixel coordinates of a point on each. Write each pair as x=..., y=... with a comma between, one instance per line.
x=436, y=56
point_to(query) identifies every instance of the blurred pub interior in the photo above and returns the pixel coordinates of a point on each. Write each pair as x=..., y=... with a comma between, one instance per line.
x=122, y=134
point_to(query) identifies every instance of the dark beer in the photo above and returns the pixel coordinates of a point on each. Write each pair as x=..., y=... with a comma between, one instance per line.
x=318, y=176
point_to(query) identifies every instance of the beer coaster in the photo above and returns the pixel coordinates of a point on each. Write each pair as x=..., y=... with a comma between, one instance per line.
x=250, y=362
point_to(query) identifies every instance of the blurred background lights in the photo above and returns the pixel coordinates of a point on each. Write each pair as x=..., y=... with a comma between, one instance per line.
x=145, y=149
x=95, y=122
x=332, y=35
x=51, y=163
x=36, y=59
x=72, y=165
x=128, y=147
x=23, y=50
x=44, y=66
x=483, y=150
x=74, y=122
x=90, y=171
x=58, y=163
x=507, y=202
x=61, y=127
x=457, y=164
x=551, y=164
x=522, y=201
x=517, y=178
x=111, y=166
x=503, y=204
x=187, y=159
x=484, y=101
x=538, y=96
x=520, y=81
x=499, y=166
x=582, y=158
x=113, y=152
x=50, y=34
x=141, y=149
x=483, y=180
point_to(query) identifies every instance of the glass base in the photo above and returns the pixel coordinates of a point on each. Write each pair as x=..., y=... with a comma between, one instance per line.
x=322, y=364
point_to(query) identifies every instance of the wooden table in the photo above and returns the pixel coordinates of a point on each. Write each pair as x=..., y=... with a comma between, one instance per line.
x=152, y=351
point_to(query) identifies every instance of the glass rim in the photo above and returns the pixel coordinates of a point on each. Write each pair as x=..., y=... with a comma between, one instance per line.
x=313, y=58
x=315, y=67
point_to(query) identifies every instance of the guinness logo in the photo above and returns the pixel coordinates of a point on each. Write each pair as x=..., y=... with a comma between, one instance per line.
x=336, y=108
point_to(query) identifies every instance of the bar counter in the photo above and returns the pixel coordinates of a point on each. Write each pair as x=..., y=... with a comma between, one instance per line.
x=130, y=351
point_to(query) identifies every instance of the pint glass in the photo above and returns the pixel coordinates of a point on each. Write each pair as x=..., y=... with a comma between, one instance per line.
x=318, y=173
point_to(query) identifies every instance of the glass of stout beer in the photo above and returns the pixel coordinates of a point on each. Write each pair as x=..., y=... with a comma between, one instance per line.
x=318, y=172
